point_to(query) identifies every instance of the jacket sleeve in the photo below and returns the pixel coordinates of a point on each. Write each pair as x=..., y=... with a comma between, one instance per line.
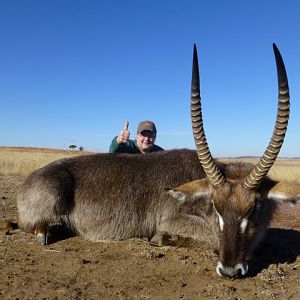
x=114, y=146
x=127, y=147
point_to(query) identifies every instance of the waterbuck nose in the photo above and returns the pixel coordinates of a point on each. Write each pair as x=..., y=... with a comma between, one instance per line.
x=236, y=271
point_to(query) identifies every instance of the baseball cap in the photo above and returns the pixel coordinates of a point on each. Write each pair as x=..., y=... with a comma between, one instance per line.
x=146, y=125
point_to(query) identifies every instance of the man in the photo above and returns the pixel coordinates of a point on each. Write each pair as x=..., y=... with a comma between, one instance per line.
x=144, y=142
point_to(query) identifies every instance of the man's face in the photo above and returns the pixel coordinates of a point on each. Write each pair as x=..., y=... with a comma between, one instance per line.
x=145, y=140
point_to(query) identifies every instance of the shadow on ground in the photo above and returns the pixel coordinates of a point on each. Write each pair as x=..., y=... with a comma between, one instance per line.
x=59, y=233
x=279, y=246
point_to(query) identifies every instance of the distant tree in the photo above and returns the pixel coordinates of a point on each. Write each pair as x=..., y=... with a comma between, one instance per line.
x=72, y=147
x=80, y=148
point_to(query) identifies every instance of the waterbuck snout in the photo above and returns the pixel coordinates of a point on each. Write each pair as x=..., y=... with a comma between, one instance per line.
x=118, y=196
x=242, y=224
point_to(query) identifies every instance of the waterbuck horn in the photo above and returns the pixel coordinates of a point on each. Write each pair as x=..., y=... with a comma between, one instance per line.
x=253, y=180
x=212, y=172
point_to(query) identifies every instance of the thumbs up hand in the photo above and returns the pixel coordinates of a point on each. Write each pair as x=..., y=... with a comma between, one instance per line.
x=124, y=134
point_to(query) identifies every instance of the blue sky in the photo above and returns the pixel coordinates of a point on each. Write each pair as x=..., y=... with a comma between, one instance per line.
x=72, y=72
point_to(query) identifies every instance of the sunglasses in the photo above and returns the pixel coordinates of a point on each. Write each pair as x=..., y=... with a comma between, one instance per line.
x=147, y=133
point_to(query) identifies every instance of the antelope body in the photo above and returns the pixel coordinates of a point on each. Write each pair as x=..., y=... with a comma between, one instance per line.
x=118, y=196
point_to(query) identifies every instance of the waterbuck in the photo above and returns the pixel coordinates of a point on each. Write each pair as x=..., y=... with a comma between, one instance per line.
x=164, y=195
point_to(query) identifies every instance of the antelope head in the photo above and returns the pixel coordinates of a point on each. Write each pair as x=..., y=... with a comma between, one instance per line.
x=241, y=206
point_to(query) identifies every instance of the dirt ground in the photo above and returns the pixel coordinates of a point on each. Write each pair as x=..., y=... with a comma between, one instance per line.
x=75, y=268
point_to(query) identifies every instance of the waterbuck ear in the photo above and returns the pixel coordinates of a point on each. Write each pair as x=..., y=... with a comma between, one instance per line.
x=285, y=192
x=190, y=190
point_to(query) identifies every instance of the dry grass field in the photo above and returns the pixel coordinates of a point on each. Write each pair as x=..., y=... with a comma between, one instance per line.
x=285, y=169
x=74, y=268
x=22, y=161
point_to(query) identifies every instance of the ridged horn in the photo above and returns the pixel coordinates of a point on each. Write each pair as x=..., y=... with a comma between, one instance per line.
x=253, y=180
x=211, y=170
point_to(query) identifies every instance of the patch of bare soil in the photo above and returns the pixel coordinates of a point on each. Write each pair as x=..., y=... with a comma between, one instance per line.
x=75, y=268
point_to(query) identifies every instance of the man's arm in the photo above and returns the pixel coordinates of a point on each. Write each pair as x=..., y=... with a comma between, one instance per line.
x=128, y=147
x=120, y=143
x=114, y=146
